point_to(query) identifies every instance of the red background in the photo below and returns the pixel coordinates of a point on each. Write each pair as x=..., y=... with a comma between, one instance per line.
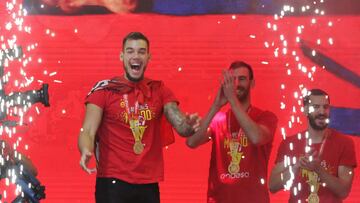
x=202, y=46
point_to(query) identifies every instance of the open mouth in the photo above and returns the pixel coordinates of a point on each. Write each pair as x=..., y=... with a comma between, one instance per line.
x=135, y=67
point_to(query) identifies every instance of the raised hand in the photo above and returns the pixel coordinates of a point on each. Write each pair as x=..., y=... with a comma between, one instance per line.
x=228, y=85
x=220, y=99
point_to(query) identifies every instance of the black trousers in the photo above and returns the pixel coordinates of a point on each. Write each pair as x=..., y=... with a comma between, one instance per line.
x=112, y=190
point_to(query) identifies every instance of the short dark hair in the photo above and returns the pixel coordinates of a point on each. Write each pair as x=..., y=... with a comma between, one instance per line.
x=238, y=64
x=316, y=92
x=136, y=36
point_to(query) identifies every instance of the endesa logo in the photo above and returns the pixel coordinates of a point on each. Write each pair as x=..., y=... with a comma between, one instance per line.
x=234, y=175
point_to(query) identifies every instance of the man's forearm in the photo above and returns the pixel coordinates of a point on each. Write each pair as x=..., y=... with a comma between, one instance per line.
x=334, y=184
x=177, y=119
x=199, y=138
x=251, y=129
x=85, y=142
x=283, y=179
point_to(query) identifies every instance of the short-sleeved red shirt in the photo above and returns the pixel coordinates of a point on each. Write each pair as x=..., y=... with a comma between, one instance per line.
x=116, y=157
x=338, y=150
x=249, y=183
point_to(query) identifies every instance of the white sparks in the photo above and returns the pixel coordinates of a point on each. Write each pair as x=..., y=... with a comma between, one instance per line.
x=274, y=27
x=262, y=181
x=288, y=71
x=276, y=52
x=283, y=133
x=266, y=44
x=57, y=81
x=282, y=105
x=299, y=136
x=52, y=74
x=299, y=30
x=313, y=53
x=284, y=51
x=296, y=95
x=268, y=25
x=8, y=26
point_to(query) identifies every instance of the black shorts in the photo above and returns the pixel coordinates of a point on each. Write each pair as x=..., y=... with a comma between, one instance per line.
x=112, y=190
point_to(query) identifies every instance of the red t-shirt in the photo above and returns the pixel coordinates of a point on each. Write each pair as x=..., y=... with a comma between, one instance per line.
x=248, y=184
x=338, y=150
x=116, y=156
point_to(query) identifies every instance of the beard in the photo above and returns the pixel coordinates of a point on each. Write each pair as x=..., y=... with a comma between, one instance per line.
x=313, y=124
x=128, y=76
x=244, y=93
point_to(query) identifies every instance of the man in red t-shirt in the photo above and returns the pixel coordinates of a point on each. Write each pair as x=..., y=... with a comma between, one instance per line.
x=124, y=117
x=316, y=165
x=241, y=141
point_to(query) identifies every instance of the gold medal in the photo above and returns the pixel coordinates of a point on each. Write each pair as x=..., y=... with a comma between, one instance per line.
x=233, y=168
x=138, y=147
x=136, y=124
x=313, y=198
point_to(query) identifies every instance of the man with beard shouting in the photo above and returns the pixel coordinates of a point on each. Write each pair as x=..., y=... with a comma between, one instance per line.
x=316, y=165
x=124, y=119
x=241, y=140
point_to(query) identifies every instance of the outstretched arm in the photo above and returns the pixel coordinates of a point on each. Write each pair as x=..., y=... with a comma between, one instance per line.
x=185, y=125
x=203, y=134
x=86, y=139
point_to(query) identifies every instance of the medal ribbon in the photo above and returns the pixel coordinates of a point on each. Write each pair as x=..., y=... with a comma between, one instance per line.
x=313, y=178
x=133, y=118
x=235, y=147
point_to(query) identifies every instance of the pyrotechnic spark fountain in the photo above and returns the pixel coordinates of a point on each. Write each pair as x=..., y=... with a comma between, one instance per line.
x=293, y=64
x=14, y=103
